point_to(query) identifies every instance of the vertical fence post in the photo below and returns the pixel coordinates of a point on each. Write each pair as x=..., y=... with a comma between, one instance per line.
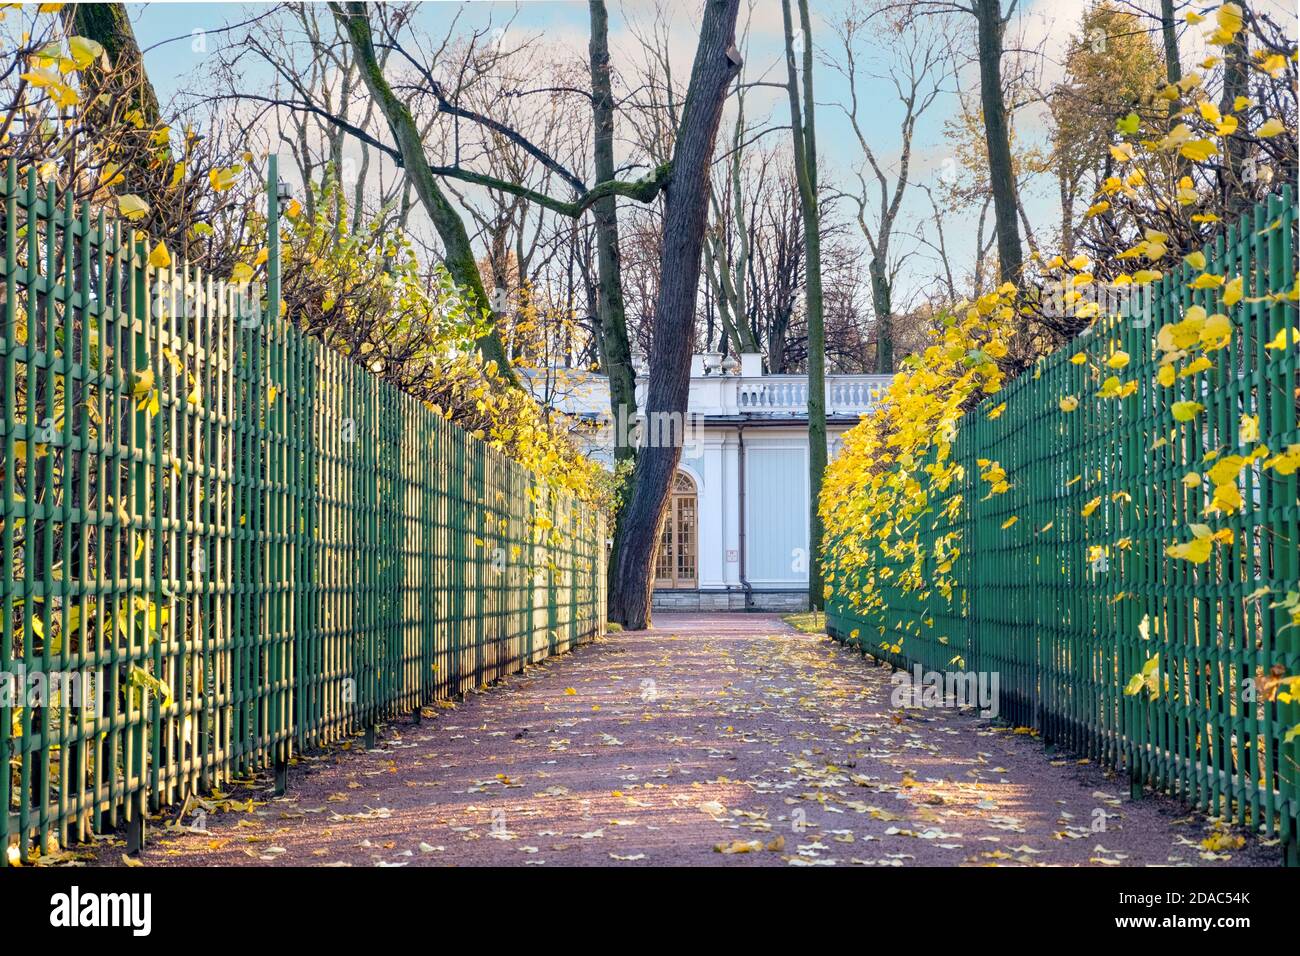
x=282, y=649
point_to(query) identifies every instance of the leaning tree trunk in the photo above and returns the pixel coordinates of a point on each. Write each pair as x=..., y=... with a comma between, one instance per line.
x=685, y=219
x=458, y=254
x=1002, y=180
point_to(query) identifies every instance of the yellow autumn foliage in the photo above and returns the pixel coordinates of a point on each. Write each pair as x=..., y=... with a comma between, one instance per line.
x=891, y=502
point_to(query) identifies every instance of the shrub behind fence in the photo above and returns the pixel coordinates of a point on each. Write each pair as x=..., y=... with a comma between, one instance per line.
x=247, y=542
x=1067, y=608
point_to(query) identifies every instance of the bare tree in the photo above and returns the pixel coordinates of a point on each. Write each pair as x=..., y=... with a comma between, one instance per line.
x=991, y=24
x=922, y=63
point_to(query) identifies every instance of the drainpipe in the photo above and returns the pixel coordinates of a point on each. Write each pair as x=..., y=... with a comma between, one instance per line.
x=744, y=581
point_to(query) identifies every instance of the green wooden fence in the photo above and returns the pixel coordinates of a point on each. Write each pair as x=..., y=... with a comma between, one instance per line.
x=1065, y=609
x=247, y=543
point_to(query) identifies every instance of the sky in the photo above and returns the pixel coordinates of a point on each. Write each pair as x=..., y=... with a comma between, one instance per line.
x=166, y=32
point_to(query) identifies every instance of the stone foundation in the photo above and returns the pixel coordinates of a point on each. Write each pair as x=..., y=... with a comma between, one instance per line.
x=784, y=601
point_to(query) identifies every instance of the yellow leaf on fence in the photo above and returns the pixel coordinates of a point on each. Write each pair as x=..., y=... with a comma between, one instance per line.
x=1227, y=499
x=1279, y=341
x=1196, y=551
x=1286, y=462
x=1232, y=292
x=143, y=383
x=1216, y=333
x=1227, y=469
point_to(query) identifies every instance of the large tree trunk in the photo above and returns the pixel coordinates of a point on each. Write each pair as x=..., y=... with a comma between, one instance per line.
x=685, y=218
x=109, y=25
x=458, y=254
x=803, y=125
x=1002, y=180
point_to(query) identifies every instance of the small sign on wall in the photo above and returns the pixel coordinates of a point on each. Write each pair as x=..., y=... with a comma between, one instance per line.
x=732, y=555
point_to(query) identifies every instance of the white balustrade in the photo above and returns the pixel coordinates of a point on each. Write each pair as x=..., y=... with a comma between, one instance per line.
x=845, y=394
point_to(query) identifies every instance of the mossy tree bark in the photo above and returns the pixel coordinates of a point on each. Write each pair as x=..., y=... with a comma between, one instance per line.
x=1169, y=32
x=147, y=169
x=615, y=350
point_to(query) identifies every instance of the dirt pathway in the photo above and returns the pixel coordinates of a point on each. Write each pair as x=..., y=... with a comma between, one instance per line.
x=663, y=747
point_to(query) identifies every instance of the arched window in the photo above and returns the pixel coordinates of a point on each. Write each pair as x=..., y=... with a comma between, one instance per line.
x=678, y=537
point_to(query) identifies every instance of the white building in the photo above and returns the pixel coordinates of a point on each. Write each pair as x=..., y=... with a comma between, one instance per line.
x=735, y=535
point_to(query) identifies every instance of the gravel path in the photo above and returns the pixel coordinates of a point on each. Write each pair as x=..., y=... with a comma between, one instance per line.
x=710, y=739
